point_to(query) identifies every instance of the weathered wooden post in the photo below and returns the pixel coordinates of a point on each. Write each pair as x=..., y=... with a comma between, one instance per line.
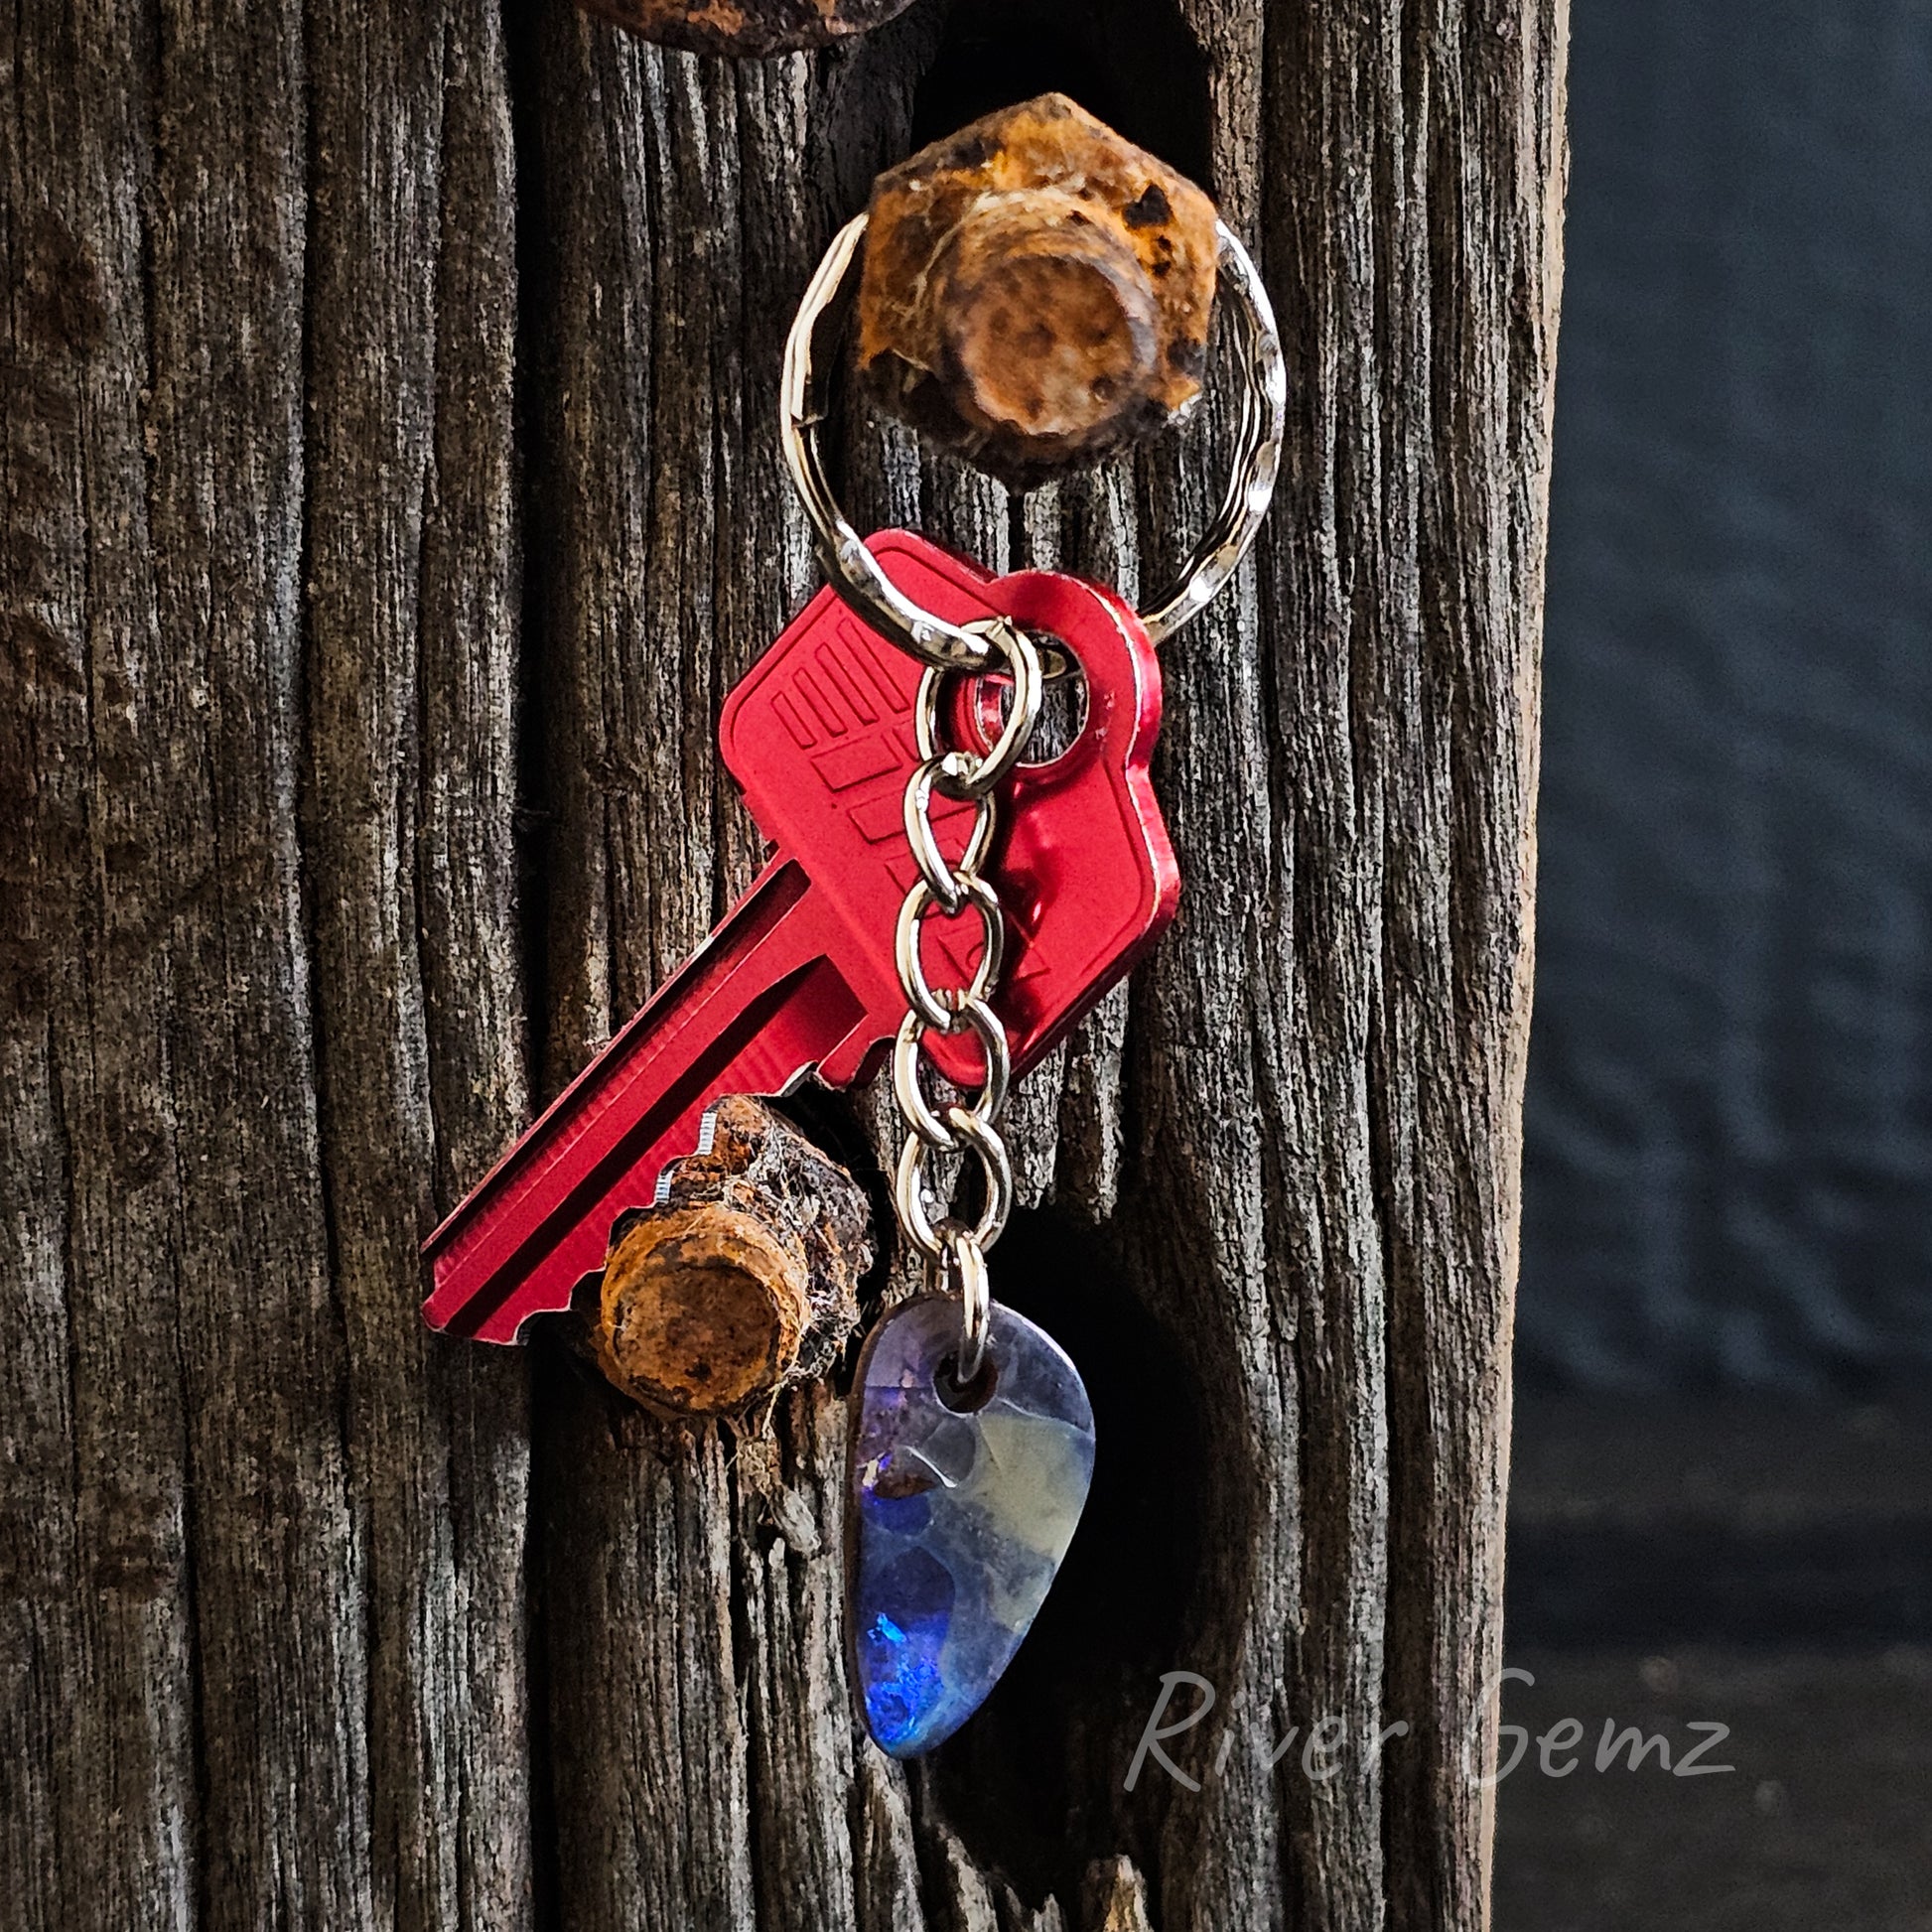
x=391, y=492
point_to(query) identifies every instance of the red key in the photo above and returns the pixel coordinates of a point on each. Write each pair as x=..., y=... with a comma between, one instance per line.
x=800, y=974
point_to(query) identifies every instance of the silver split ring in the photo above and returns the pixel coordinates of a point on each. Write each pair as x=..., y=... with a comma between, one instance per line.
x=857, y=575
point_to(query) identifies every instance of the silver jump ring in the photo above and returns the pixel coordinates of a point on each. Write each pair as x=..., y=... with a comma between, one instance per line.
x=932, y=1007
x=981, y=1138
x=961, y=774
x=961, y=1264
x=985, y=1024
x=858, y=577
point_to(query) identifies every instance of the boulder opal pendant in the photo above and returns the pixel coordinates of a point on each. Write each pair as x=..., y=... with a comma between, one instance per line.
x=963, y=1504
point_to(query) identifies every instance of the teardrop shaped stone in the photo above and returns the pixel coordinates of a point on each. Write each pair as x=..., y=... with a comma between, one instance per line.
x=960, y=1513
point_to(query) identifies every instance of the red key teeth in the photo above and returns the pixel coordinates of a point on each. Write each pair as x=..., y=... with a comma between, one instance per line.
x=756, y=1006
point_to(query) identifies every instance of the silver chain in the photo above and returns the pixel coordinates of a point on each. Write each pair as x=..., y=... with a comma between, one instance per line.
x=953, y=1250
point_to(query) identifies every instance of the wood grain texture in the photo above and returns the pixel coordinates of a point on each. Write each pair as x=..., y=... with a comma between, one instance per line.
x=261, y=565
x=317, y=328
x=745, y=26
x=412, y=592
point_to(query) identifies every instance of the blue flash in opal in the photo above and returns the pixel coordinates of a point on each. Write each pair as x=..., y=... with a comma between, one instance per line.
x=960, y=1518
x=899, y=1652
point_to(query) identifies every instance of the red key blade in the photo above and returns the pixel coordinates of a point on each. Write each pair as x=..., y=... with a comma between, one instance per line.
x=756, y=1006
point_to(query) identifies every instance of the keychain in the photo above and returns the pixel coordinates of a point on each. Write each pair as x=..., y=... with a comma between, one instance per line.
x=972, y=1450
x=887, y=728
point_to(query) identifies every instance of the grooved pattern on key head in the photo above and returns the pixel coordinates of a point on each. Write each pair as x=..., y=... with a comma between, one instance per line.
x=1081, y=832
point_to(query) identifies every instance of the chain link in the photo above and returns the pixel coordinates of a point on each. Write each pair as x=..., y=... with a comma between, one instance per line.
x=954, y=1250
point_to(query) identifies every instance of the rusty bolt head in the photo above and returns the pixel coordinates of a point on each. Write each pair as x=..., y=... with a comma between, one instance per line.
x=745, y=26
x=1037, y=291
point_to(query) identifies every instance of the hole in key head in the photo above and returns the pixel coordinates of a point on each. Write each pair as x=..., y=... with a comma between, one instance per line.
x=1063, y=704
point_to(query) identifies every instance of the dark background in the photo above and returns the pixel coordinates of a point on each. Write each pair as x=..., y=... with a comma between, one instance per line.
x=1729, y=1148
x=1720, y=1509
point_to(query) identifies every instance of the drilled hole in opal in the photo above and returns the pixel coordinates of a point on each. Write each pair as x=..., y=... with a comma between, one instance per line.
x=966, y=1398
